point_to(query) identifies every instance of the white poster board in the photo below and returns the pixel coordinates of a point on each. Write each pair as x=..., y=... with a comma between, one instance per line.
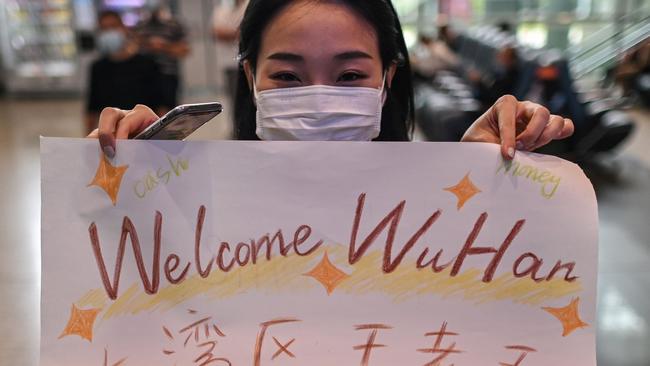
x=315, y=253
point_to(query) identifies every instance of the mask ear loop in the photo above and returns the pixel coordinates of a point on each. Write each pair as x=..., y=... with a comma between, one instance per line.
x=240, y=61
x=255, y=93
x=383, y=89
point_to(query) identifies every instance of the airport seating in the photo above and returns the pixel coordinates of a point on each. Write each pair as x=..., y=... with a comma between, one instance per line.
x=445, y=104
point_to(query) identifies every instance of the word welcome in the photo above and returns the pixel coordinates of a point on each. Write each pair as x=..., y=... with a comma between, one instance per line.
x=163, y=175
x=249, y=252
x=549, y=183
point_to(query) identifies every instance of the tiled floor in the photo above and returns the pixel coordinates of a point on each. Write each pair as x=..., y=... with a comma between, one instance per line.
x=623, y=191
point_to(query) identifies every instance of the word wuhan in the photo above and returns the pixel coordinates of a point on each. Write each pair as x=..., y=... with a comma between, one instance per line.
x=249, y=253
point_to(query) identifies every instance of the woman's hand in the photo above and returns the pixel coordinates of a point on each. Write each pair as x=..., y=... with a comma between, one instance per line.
x=117, y=123
x=518, y=125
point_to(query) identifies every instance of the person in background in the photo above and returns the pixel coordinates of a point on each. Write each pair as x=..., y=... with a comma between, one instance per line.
x=446, y=33
x=502, y=81
x=225, y=29
x=632, y=66
x=429, y=56
x=121, y=77
x=164, y=38
x=552, y=94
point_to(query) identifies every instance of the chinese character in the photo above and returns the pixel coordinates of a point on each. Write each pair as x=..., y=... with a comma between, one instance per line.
x=204, y=335
x=370, y=344
x=282, y=348
x=208, y=357
x=524, y=351
x=118, y=363
x=441, y=353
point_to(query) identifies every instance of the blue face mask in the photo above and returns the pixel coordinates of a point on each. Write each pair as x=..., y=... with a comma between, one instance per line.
x=110, y=42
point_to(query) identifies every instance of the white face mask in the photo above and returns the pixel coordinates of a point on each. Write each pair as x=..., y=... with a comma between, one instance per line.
x=319, y=113
x=110, y=42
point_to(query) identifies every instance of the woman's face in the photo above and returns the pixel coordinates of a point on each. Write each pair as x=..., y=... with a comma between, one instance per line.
x=318, y=43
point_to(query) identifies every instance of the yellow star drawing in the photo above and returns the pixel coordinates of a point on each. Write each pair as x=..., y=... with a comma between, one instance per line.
x=464, y=191
x=568, y=316
x=81, y=323
x=109, y=178
x=327, y=274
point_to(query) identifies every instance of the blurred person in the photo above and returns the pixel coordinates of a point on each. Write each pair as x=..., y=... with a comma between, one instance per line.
x=445, y=32
x=121, y=77
x=632, y=66
x=552, y=94
x=226, y=17
x=503, y=79
x=296, y=53
x=164, y=38
x=429, y=56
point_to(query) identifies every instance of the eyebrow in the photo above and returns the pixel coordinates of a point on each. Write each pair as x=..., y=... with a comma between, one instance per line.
x=286, y=56
x=292, y=57
x=351, y=55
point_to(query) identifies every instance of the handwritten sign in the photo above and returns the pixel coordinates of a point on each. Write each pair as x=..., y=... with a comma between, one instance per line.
x=308, y=253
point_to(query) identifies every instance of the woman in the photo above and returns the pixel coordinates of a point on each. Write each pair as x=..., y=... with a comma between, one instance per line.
x=337, y=70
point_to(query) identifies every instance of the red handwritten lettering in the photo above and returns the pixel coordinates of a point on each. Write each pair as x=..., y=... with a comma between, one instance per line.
x=393, y=218
x=150, y=285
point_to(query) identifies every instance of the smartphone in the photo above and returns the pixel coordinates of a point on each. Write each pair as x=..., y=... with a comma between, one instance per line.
x=180, y=122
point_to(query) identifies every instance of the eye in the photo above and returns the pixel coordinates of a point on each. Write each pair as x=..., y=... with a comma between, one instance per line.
x=351, y=76
x=285, y=77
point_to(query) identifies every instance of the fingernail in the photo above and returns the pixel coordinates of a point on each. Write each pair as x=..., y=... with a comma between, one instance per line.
x=511, y=152
x=109, y=152
x=520, y=145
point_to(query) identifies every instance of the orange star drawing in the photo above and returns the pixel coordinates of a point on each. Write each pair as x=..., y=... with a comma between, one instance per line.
x=568, y=316
x=327, y=274
x=109, y=178
x=81, y=323
x=464, y=191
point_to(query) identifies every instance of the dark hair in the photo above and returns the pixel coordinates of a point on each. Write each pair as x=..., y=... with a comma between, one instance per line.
x=107, y=13
x=511, y=52
x=397, y=114
x=504, y=26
